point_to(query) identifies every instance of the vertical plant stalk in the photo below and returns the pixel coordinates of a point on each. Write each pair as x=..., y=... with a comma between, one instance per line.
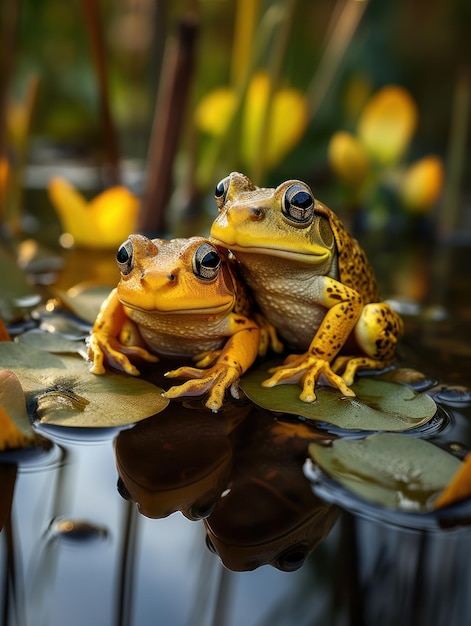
x=110, y=136
x=178, y=67
x=345, y=19
x=275, y=70
x=8, y=32
x=456, y=158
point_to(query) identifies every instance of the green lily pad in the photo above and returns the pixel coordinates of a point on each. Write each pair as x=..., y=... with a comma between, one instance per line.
x=84, y=299
x=389, y=469
x=51, y=342
x=17, y=297
x=65, y=393
x=378, y=405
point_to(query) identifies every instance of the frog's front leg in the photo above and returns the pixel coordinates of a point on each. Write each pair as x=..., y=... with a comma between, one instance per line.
x=344, y=306
x=238, y=354
x=111, y=337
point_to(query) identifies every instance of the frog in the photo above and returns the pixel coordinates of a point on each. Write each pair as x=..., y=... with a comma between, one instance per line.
x=177, y=298
x=311, y=280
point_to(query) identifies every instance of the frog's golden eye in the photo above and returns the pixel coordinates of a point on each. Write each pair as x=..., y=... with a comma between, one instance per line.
x=220, y=192
x=206, y=262
x=125, y=257
x=298, y=204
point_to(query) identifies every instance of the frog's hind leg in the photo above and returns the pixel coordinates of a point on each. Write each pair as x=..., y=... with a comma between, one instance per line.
x=376, y=334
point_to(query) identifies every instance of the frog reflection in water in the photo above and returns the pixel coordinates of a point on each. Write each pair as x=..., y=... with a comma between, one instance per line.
x=177, y=298
x=311, y=280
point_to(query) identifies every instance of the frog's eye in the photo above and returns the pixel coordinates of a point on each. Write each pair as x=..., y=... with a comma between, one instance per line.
x=292, y=559
x=206, y=262
x=125, y=257
x=298, y=204
x=220, y=192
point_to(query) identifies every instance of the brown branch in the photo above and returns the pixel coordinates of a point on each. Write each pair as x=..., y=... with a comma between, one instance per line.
x=178, y=66
x=110, y=137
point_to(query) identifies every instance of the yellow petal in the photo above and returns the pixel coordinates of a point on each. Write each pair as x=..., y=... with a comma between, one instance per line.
x=104, y=222
x=459, y=487
x=288, y=121
x=215, y=111
x=115, y=214
x=422, y=184
x=348, y=158
x=387, y=124
x=72, y=210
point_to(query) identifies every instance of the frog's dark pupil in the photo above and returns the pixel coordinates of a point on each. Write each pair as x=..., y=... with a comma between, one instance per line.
x=210, y=259
x=122, y=256
x=301, y=200
x=219, y=191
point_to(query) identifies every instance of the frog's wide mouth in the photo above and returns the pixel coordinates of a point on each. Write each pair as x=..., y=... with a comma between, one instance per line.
x=182, y=309
x=312, y=257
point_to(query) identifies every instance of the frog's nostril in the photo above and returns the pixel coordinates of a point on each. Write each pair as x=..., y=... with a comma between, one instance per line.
x=256, y=213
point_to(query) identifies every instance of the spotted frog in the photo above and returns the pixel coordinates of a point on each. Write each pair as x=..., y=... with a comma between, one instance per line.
x=178, y=298
x=311, y=280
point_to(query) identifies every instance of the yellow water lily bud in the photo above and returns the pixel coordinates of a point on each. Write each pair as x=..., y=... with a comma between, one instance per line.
x=422, y=184
x=387, y=124
x=215, y=111
x=104, y=222
x=288, y=121
x=348, y=158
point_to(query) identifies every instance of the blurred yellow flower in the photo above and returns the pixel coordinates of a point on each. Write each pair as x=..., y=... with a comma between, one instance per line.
x=215, y=111
x=348, y=158
x=103, y=222
x=387, y=124
x=422, y=184
x=287, y=123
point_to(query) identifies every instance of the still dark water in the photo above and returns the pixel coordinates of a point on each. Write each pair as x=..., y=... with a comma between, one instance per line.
x=74, y=550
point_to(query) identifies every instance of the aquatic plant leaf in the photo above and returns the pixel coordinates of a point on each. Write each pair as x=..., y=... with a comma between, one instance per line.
x=17, y=297
x=391, y=469
x=65, y=393
x=51, y=342
x=15, y=427
x=84, y=299
x=378, y=405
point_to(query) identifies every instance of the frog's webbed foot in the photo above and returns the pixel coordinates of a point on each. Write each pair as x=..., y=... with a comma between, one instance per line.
x=306, y=369
x=348, y=366
x=268, y=336
x=102, y=348
x=217, y=379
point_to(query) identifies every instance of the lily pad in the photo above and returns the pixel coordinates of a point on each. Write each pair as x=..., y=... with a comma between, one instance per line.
x=62, y=391
x=51, y=342
x=378, y=405
x=84, y=299
x=17, y=297
x=389, y=469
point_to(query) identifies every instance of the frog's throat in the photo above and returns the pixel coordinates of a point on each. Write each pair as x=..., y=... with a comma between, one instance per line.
x=316, y=256
x=163, y=310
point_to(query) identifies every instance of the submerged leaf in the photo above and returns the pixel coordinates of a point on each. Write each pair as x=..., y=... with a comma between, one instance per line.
x=378, y=405
x=66, y=393
x=390, y=469
x=51, y=342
